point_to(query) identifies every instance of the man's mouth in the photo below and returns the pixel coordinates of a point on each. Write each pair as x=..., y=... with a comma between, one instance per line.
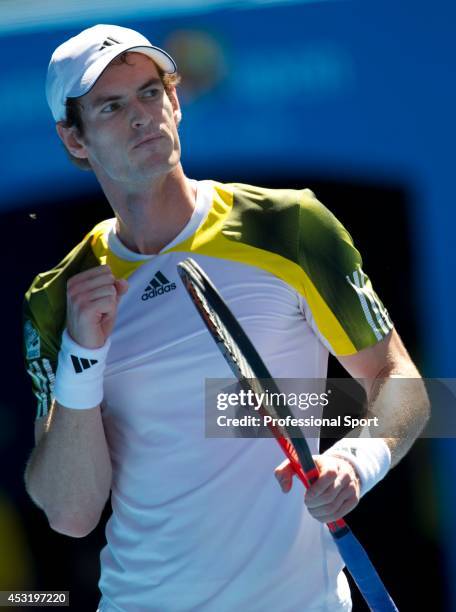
x=146, y=140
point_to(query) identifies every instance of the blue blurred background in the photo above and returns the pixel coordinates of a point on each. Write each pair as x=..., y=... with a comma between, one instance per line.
x=353, y=99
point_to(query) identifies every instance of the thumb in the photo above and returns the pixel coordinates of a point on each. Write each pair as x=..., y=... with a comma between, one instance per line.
x=121, y=286
x=284, y=474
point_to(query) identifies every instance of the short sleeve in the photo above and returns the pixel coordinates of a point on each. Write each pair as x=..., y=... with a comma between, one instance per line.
x=339, y=300
x=44, y=315
x=40, y=349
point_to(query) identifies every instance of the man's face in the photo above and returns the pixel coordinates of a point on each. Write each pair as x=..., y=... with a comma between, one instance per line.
x=130, y=123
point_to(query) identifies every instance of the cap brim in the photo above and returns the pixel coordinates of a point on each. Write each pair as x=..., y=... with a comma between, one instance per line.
x=93, y=73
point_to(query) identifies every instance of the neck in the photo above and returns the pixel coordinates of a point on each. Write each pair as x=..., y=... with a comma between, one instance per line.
x=151, y=216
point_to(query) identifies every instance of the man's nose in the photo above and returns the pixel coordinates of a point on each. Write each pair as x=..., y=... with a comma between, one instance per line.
x=139, y=114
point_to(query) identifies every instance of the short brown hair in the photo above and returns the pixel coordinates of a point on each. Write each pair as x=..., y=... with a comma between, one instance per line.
x=73, y=116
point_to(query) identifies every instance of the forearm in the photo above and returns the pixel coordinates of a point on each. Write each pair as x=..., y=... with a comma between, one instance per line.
x=398, y=398
x=352, y=466
x=69, y=473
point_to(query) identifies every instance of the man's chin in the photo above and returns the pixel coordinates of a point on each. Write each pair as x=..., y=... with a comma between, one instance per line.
x=151, y=169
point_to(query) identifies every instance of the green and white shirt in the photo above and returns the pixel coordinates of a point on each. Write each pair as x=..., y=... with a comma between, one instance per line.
x=200, y=524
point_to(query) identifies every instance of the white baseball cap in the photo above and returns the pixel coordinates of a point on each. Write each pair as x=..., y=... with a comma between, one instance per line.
x=77, y=63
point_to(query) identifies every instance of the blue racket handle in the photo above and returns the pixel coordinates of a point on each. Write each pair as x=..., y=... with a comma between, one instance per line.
x=363, y=572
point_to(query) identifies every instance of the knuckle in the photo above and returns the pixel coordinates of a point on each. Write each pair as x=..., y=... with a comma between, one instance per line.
x=72, y=285
x=353, y=488
x=323, y=479
x=77, y=299
x=346, y=479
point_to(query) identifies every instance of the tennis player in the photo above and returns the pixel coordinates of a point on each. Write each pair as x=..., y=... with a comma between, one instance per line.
x=118, y=357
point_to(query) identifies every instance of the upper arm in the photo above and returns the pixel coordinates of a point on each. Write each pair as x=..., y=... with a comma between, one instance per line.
x=389, y=356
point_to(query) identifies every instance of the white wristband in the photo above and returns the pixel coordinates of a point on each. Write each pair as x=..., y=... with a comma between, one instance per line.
x=79, y=376
x=371, y=458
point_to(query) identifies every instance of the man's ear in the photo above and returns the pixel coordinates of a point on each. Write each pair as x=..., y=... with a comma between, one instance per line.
x=71, y=140
x=176, y=106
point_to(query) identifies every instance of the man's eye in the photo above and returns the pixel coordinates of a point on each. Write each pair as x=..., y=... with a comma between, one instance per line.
x=109, y=108
x=151, y=93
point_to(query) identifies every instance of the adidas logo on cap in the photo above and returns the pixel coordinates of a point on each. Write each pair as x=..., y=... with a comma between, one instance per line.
x=158, y=286
x=109, y=42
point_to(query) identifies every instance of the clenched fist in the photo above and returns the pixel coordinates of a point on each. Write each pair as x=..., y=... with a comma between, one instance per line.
x=333, y=495
x=92, y=300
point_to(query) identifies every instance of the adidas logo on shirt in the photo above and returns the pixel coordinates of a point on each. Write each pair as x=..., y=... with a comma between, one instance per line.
x=158, y=286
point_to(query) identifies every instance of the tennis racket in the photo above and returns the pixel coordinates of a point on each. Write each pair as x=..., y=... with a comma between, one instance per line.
x=252, y=374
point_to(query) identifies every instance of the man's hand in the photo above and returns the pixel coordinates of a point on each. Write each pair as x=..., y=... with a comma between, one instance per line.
x=92, y=300
x=333, y=495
